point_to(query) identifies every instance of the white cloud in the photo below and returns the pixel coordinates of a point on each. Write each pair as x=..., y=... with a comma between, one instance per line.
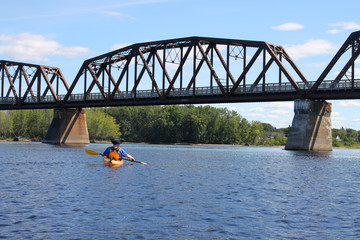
x=255, y=115
x=281, y=112
x=333, y=31
x=347, y=25
x=351, y=103
x=280, y=105
x=256, y=110
x=272, y=116
x=29, y=47
x=312, y=47
x=337, y=117
x=72, y=52
x=273, y=108
x=288, y=26
x=341, y=26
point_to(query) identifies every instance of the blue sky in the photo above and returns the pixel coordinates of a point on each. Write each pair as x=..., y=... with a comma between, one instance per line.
x=63, y=33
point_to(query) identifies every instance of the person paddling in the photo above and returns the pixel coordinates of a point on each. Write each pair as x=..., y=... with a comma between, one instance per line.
x=115, y=152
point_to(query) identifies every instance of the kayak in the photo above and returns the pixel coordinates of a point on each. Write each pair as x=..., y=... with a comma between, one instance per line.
x=113, y=163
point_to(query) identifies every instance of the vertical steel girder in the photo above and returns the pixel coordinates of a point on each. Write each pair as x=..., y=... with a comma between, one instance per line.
x=138, y=59
x=39, y=81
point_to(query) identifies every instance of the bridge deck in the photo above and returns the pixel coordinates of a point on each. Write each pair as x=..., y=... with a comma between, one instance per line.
x=271, y=92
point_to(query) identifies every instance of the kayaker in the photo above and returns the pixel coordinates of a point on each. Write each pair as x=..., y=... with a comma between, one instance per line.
x=116, y=150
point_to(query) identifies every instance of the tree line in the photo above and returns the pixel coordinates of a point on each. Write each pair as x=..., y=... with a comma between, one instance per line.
x=188, y=124
x=162, y=124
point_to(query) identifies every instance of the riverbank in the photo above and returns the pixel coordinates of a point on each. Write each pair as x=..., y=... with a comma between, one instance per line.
x=357, y=146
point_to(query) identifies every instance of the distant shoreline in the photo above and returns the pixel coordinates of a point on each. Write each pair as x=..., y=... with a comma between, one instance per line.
x=179, y=144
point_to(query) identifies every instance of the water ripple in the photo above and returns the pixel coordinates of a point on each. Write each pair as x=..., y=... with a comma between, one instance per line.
x=187, y=192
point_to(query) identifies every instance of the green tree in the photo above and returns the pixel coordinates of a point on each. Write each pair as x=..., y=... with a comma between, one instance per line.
x=101, y=126
x=19, y=126
x=351, y=137
x=279, y=140
x=245, y=128
x=6, y=124
x=37, y=122
x=268, y=127
x=255, y=131
x=193, y=128
x=202, y=124
x=341, y=133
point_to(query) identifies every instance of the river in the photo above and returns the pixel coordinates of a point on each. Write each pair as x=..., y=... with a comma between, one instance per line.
x=185, y=192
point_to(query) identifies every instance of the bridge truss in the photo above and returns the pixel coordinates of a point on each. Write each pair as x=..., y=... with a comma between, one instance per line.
x=187, y=70
x=25, y=84
x=346, y=76
x=181, y=71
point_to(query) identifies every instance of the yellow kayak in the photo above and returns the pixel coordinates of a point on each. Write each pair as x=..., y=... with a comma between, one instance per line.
x=113, y=163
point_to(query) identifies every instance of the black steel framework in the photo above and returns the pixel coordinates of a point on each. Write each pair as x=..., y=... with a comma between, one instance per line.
x=25, y=85
x=201, y=53
x=179, y=71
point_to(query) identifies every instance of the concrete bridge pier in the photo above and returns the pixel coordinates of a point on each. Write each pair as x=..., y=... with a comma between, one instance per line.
x=311, y=126
x=68, y=127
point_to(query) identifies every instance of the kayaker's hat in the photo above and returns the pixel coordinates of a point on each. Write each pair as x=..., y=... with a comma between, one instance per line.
x=115, y=141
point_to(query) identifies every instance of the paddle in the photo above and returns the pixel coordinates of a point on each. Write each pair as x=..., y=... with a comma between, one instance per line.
x=92, y=152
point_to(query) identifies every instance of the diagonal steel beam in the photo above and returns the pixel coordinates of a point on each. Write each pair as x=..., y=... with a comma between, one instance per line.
x=76, y=80
x=178, y=71
x=36, y=75
x=224, y=64
x=51, y=82
x=345, y=68
x=293, y=65
x=262, y=74
x=97, y=75
x=142, y=72
x=163, y=67
x=213, y=72
x=12, y=81
x=96, y=80
x=27, y=81
x=49, y=86
x=149, y=71
x=112, y=80
x=62, y=78
x=125, y=69
x=282, y=68
x=246, y=70
x=353, y=36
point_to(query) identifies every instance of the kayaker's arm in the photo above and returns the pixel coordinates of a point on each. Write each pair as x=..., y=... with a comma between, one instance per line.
x=130, y=157
x=106, y=152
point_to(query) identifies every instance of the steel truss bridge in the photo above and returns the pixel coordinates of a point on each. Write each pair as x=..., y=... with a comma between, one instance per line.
x=181, y=71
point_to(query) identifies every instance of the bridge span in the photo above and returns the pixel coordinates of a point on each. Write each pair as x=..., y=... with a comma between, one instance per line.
x=181, y=71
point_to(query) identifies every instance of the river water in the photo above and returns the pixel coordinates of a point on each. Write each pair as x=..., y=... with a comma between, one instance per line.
x=185, y=192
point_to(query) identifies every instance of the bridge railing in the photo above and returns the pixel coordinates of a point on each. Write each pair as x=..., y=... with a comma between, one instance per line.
x=216, y=91
x=199, y=91
x=341, y=85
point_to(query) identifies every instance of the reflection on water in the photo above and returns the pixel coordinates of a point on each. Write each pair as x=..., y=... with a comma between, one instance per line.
x=186, y=192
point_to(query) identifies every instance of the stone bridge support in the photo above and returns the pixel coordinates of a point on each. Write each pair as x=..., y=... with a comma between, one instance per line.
x=68, y=127
x=311, y=126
